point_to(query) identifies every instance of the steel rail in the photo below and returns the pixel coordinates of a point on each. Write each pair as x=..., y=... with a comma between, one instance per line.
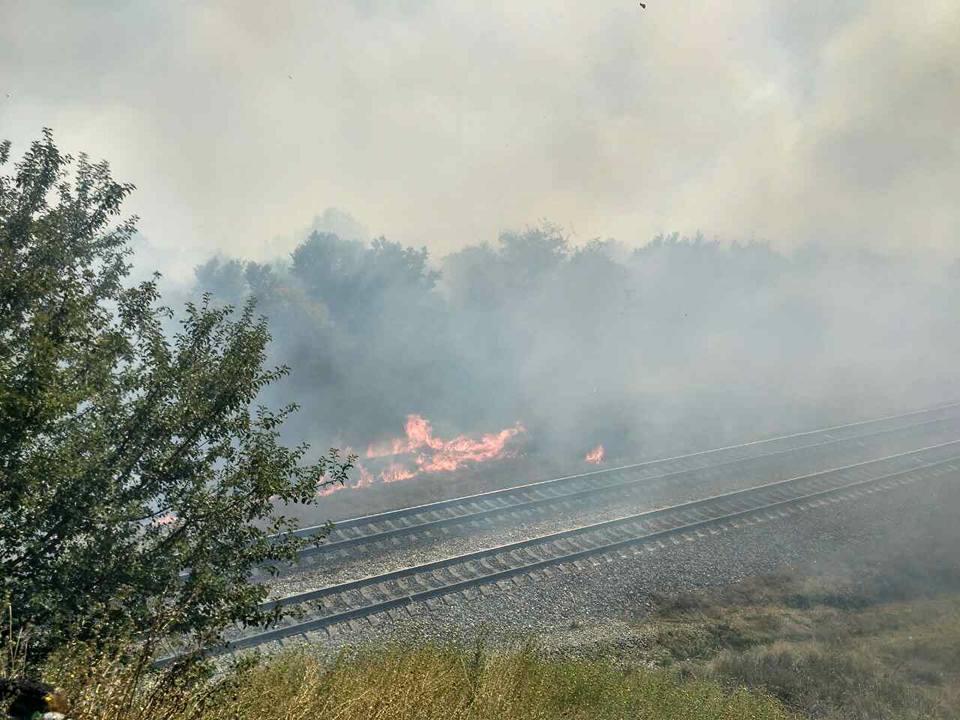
x=530, y=497
x=439, y=504
x=524, y=557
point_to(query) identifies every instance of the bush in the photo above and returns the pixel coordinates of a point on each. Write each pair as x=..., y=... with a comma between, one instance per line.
x=139, y=482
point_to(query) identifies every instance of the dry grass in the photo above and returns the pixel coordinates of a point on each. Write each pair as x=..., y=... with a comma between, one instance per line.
x=397, y=683
x=859, y=635
x=13, y=646
x=824, y=646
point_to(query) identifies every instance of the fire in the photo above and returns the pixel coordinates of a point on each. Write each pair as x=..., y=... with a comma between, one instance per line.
x=395, y=473
x=330, y=489
x=595, y=456
x=427, y=453
x=435, y=454
x=366, y=479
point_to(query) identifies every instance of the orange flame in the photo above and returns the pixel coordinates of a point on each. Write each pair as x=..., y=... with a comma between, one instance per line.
x=330, y=489
x=434, y=454
x=395, y=473
x=428, y=454
x=366, y=479
x=596, y=456
x=419, y=435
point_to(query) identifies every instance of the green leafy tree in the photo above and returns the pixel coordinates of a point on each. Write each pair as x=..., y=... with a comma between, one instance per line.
x=140, y=482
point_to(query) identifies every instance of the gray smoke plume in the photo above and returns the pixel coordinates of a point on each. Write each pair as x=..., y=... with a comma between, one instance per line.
x=682, y=342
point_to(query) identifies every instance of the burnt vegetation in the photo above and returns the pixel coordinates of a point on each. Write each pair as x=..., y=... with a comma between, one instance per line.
x=678, y=344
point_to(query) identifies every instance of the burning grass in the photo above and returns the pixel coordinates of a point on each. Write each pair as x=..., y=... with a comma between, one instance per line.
x=423, y=455
x=422, y=451
x=596, y=456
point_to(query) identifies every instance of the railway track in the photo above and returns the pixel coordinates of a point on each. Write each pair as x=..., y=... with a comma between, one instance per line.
x=366, y=599
x=780, y=455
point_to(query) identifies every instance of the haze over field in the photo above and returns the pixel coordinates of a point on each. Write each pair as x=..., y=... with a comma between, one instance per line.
x=444, y=123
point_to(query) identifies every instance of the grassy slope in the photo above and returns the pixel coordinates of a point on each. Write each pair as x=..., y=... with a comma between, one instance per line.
x=860, y=635
x=425, y=682
x=860, y=640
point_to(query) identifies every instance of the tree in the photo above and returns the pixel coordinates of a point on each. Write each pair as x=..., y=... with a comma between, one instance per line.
x=139, y=480
x=358, y=282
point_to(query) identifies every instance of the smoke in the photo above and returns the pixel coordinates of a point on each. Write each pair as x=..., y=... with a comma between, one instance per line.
x=589, y=353
x=443, y=122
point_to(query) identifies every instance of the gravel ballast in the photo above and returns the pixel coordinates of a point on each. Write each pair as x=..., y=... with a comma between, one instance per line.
x=598, y=601
x=406, y=552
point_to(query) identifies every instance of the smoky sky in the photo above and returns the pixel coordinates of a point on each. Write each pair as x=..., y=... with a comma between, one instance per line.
x=442, y=123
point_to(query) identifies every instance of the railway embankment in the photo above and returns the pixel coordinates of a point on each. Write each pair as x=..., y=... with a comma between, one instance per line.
x=595, y=602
